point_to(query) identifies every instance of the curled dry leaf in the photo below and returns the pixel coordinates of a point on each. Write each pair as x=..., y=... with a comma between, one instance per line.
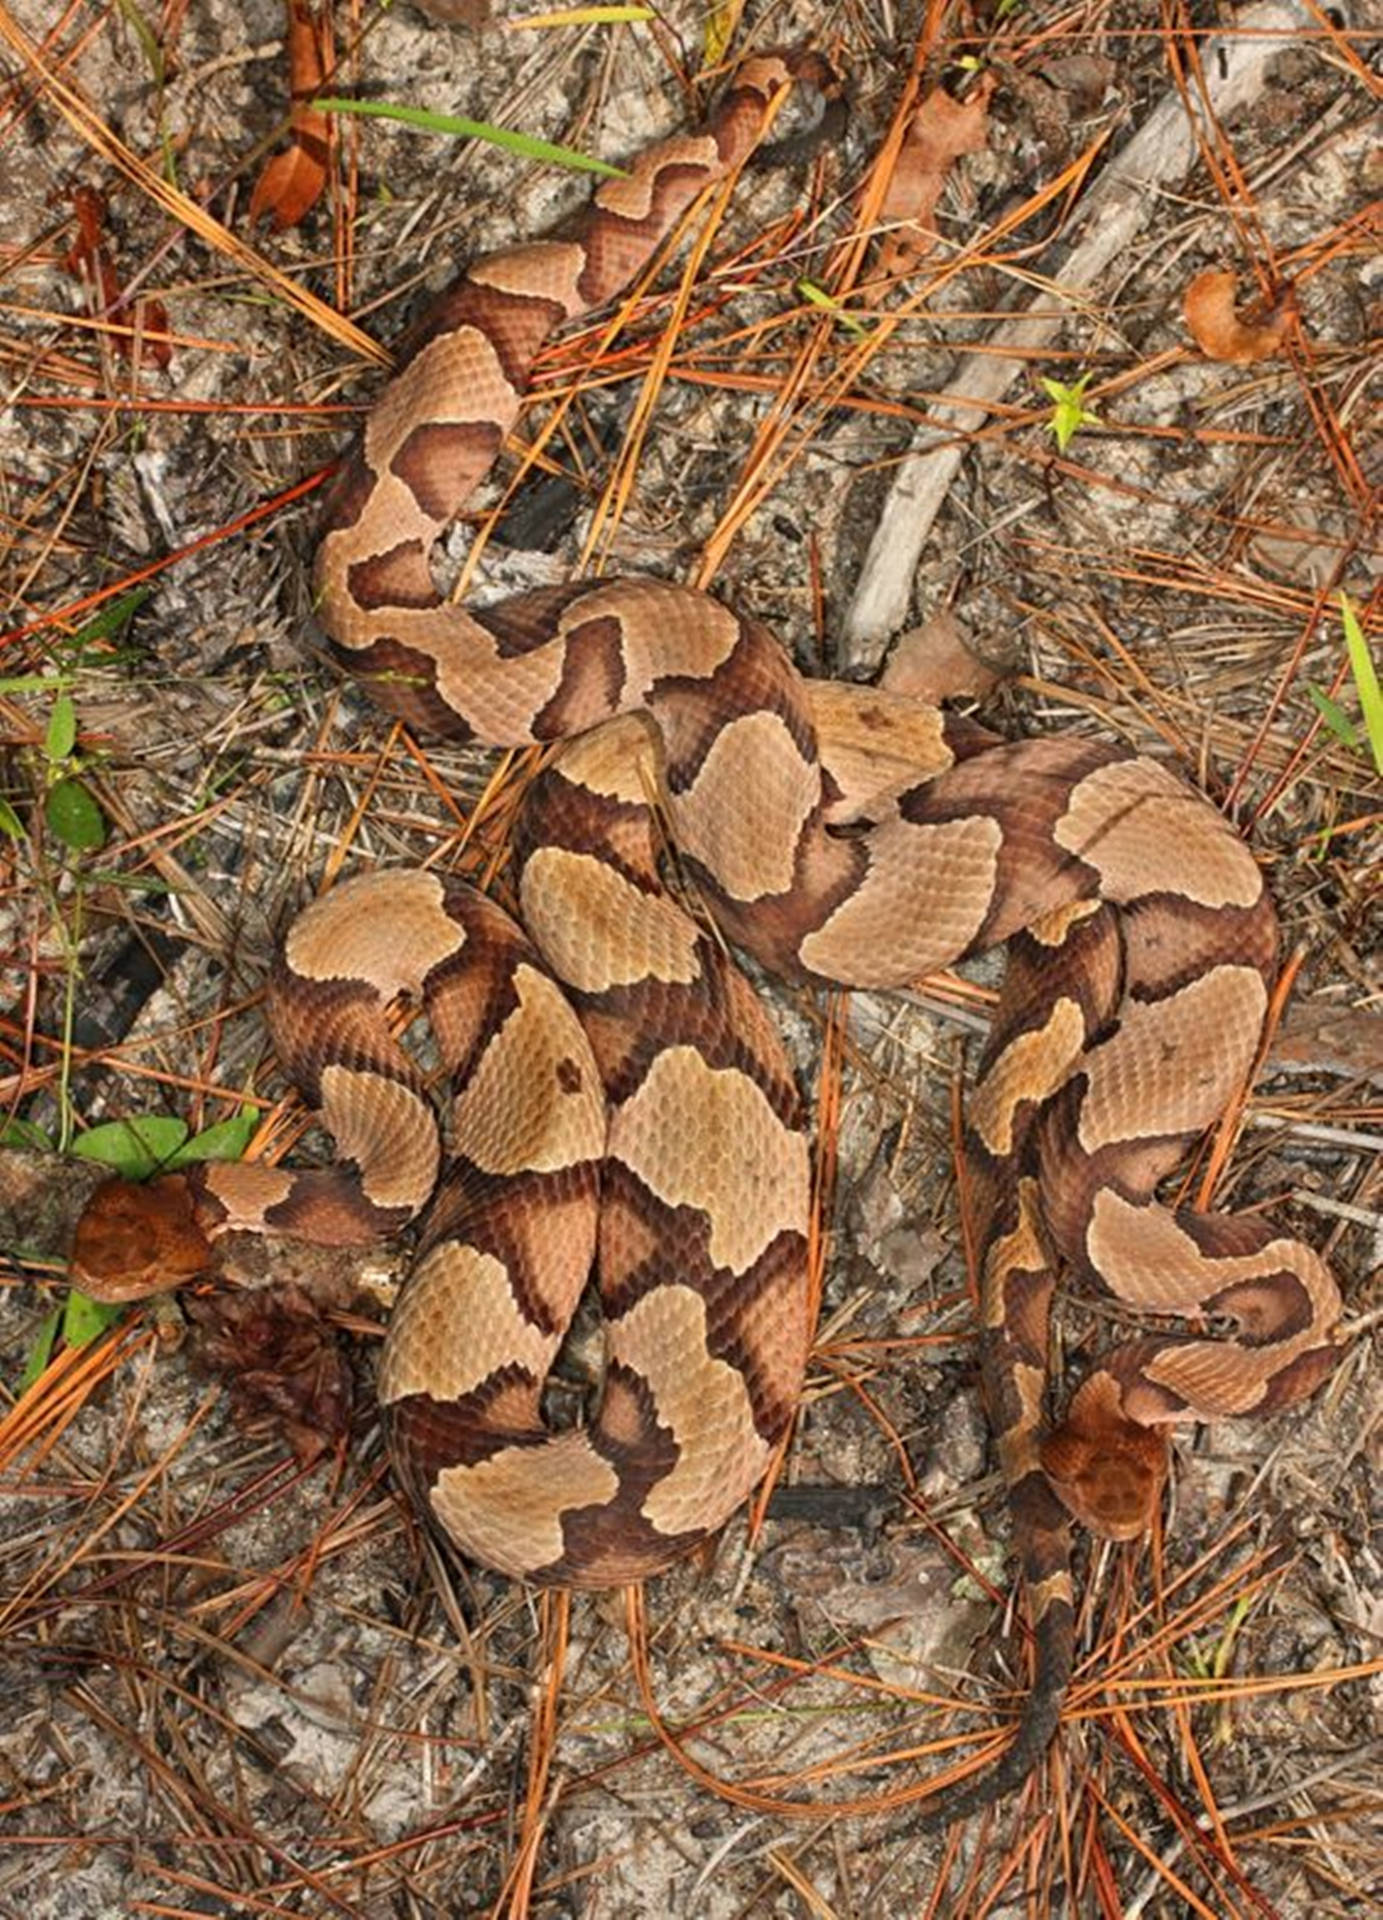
x=942, y=129
x=1220, y=332
x=291, y=182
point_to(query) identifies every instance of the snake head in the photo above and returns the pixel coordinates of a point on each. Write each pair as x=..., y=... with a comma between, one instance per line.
x=1106, y=1469
x=135, y=1239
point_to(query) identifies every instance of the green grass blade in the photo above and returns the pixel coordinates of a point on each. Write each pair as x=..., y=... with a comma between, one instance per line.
x=520, y=143
x=1365, y=679
x=584, y=17
x=1334, y=716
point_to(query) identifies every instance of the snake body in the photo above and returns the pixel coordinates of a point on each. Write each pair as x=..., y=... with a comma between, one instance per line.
x=617, y=1090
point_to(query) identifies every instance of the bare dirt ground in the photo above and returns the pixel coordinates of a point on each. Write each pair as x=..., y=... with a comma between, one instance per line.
x=240, y=1686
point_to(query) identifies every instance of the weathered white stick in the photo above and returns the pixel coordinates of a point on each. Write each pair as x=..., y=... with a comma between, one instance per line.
x=1163, y=150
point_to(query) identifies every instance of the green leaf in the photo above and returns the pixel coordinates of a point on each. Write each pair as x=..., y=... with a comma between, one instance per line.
x=1365, y=679
x=1334, y=717
x=74, y=816
x=61, y=736
x=136, y=1147
x=41, y=1350
x=1069, y=411
x=520, y=143
x=227, y=1140
x=84, y=1318
x=112, y=619
x=15, y=1132
x=816, y=296
x=10, y=821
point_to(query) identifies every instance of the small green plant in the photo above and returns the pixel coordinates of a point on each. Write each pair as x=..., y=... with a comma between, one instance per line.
x=145, y=1143
x=1069, y=411
x=135, y=1149
x=79, y=1320
x=153, y=1143
x=70, y=809
x=1365, y=677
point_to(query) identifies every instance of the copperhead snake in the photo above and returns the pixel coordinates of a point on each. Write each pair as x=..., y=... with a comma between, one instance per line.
x=618, y=1092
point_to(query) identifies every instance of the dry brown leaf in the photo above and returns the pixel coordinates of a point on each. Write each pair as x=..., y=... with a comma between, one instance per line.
x=1220, y=332
x=937, y=662
x=942, y=129
x=91, y=260
x=291, y=182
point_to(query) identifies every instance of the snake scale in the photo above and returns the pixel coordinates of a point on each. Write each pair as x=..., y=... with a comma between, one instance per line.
x=618, y=1093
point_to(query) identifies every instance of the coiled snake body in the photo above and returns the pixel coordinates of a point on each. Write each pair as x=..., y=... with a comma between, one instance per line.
x=618, y=1090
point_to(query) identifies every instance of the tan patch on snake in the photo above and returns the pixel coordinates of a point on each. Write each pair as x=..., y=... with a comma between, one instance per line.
x=617, y=761
x=1031, y=1067
x=597, y=930
x=499, y=698
x=1136, y=1091
x=923, y=899
x=390, y=928
x=456, y=1323
x=1017, y=1445
x=633, y=197
x=1053, y=929
x=507, y=1511
x=388, y=1129
x=751, y=854
x=1144, y=832
x=1157, y=1265
x=1020, y=1250
x=705, y=1137
x=247, y=1189
x=1057, y=1586
x=873, y=744
x=456, y=379
x=704, y=1401
x=542, y=269
x=524, y=1110
x=653, y=617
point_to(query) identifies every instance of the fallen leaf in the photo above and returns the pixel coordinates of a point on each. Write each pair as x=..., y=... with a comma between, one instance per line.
x=1087, y=76
x=936, y=661
x=1220, y=332
x=88, y=254
x=941, y=130
x=91, y=260
x=291, y=183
